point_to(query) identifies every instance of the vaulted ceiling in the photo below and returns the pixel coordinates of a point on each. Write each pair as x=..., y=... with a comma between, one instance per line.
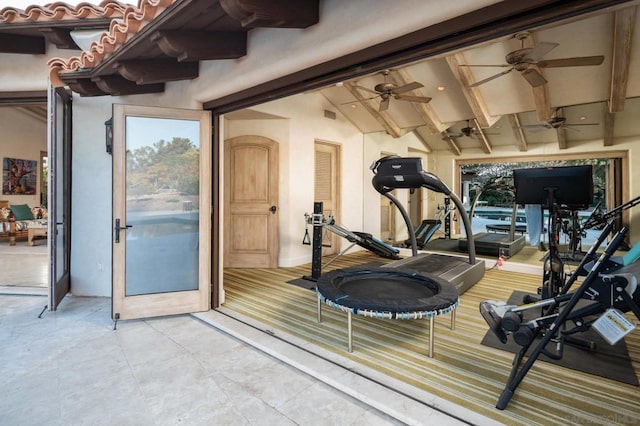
x=521, y=99
x=461, y=107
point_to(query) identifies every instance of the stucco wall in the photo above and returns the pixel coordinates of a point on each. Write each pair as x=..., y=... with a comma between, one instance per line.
x=303, y=123
x=23, y=137
x=344, y=27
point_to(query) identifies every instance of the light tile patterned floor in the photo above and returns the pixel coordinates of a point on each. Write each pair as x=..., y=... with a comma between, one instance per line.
x=71, y=368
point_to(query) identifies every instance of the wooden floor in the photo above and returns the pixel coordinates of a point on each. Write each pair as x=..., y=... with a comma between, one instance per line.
x=462, y=370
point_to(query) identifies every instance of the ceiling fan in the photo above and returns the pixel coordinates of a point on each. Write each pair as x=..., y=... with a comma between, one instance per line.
x=386, y=90
x=555, y=123
x=468, y=131
x=522, y=60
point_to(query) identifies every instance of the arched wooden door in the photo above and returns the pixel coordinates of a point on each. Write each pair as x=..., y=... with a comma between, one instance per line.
x=251, y=202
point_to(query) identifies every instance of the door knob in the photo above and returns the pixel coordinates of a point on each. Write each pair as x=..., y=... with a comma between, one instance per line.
x=273, y=209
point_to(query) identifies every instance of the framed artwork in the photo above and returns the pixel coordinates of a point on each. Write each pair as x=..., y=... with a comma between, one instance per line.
x=19, y=177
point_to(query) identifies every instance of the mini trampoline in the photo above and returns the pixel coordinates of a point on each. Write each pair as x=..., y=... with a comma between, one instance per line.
x=388, y=294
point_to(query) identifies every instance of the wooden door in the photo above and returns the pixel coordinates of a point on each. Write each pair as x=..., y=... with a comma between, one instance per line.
x=387, y=219
x=415, y=206
x=326, y=189
x=251, y=202
x=161, y=211
x=387, y=214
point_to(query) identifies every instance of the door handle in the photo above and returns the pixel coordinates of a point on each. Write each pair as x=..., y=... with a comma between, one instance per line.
x=118, y=228
x=273, y=209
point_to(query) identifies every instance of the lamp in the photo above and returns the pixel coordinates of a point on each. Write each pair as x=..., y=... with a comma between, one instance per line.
x=109, y=135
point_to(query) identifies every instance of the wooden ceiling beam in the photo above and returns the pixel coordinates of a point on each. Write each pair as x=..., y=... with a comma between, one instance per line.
x=116, y=85
x=29, y=45
x=157, y=71
x=371, y=105
x=426, y=112
x=561, y=133
x=84, y=87
x=485, y=144
x=562, y=138
x=453, y=145
x=474, y=98
x=540, y=93
x=60, y=37
x=187, y=46
x=609, y=122
x=273, y=13
x=521, y=139
x=624, y=22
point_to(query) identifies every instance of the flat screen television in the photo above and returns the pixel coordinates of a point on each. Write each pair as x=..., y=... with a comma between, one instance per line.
x=572, y=185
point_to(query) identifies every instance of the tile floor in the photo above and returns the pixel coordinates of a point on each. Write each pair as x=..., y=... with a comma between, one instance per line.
x=70, y=367
x=22, y=265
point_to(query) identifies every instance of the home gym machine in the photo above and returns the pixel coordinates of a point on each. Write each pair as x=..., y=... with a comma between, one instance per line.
x=319, y=222
x=395, y=172
x=610, y=294
x=557, y=189
x=609, y=289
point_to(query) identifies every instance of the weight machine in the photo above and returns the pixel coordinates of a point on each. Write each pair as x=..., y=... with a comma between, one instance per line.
x=609, y=289
x=362, y=239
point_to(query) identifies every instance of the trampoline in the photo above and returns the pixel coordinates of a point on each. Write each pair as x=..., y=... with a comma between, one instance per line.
x=388, y=294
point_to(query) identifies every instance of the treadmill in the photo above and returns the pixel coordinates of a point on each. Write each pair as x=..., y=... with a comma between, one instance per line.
x=396, y=172
x=495, y=244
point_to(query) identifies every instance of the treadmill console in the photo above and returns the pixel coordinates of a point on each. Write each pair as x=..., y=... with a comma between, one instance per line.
x=404, y=172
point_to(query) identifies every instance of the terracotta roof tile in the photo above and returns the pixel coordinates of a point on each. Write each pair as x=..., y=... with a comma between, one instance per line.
x=61, y=11
x=133, y=20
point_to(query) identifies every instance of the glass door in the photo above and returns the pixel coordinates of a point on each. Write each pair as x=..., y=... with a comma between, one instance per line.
x=161, y=211
x=59, y=194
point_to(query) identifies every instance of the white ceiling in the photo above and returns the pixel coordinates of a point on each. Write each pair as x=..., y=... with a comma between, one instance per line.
x=579, y=91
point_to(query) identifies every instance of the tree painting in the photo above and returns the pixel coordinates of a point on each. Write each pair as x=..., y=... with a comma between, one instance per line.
x=19, y=177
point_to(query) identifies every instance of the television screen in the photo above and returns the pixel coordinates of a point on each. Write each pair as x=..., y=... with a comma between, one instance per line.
x=571, y=185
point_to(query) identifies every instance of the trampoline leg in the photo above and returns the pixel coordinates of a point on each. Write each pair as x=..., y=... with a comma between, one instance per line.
x=431, y=337
x=319, y=310
x=349, y=330
x=453, y=319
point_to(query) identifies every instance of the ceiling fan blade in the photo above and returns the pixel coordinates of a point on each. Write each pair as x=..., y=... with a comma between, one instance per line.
x=421, y=99
x=535, y=127
x=366, y=89
x=447, y=136
x=533, y=77
x=571, y=62
x=527, y=126
x=384, y=104
x=407, y=87
x=581, y=124
x=539, y=51
x=359, y=100
x=485, y=65
x=493, y=77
